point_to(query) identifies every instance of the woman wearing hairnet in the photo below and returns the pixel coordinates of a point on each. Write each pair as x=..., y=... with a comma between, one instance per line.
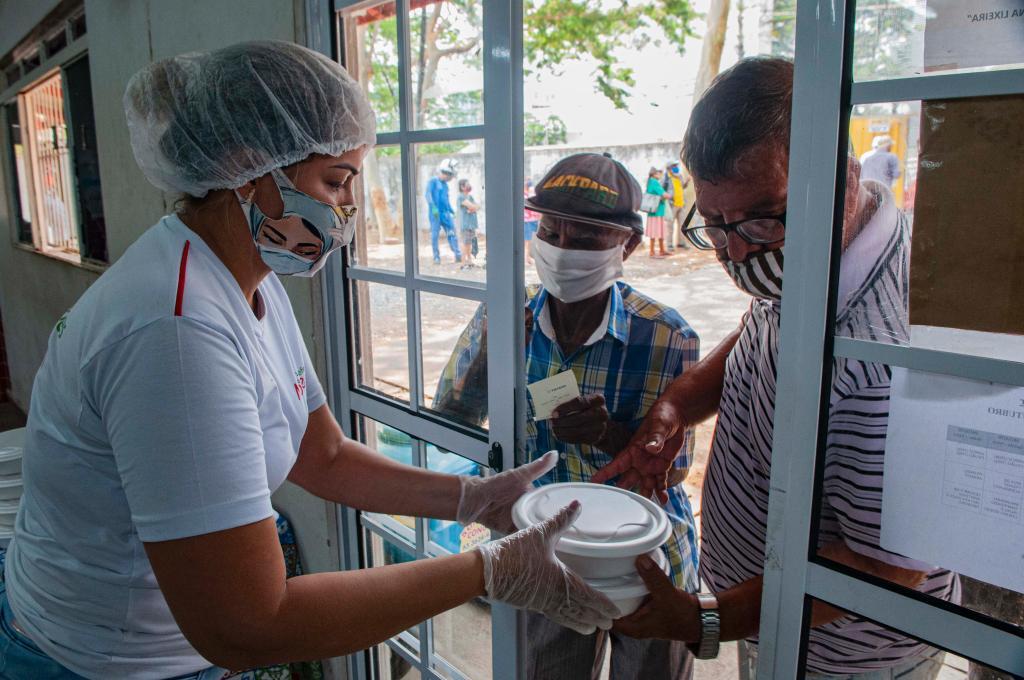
x=177, y=395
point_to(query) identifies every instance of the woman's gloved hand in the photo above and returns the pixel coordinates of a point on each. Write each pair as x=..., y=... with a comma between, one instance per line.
x=489, y=500
x=521, y=570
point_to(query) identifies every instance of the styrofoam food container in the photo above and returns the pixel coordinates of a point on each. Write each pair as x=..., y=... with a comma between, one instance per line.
x=10, y=460
x=627, y=592
x=614, y=526
x=10, y=487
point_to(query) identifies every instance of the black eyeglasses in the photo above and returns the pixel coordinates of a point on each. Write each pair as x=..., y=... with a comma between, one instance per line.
x=760, y=230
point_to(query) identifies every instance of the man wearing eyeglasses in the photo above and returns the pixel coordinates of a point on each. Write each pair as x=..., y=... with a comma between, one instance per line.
x=736, y=147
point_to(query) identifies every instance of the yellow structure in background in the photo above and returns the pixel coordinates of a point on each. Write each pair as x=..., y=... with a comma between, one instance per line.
x=863, y=129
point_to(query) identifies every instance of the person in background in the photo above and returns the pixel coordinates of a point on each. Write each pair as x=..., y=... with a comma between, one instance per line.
x=656, y=218
x=675, y=184
x=530, y=221
x=468, y=209
x=177, y=395
x=880, y=164
x=440, y=209
x=736, y=147
x=623, y=349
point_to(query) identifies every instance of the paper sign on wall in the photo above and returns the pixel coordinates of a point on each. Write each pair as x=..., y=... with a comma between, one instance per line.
x=973, y=34
x=954, y=476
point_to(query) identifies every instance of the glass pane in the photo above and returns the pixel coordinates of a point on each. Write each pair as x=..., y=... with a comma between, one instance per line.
x=454, y=346
x=371, y=37
x=451, y=210
x=925, y=163
x=924, y=476
x=380, y=237
x=381, y=553
x=50, y=158
x=398, y=446
x=20, y=188
x=622, y=78
x=381, y=339
x=445, y=534
x=86, y=159
x=910, y=37
x=918, y=661
x=462, y=637
x=393, y=666
x=446, y=63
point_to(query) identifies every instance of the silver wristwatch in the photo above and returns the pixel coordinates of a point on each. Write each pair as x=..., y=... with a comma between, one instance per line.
x=710, y=628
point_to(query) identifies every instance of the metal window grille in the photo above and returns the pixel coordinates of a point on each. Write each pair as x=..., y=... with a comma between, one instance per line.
x=51, y=167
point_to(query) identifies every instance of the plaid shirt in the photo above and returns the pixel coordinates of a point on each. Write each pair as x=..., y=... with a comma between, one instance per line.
x=645, y=346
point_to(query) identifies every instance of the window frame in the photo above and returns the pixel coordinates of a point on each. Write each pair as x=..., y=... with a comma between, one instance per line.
x=27, y=107
x=823, y=96
x=76, y=48
x=503, y=292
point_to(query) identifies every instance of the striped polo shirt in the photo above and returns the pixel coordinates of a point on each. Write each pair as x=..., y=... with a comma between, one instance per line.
x=872, y=301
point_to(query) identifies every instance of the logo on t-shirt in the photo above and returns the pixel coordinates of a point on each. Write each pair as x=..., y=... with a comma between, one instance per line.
x=300, y=382
x=62, y=323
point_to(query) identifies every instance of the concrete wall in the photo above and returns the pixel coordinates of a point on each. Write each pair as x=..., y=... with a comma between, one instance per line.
x=124, y=36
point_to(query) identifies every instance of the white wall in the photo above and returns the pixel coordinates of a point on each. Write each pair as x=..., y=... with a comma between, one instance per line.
x=19, y=17
x=124, y=36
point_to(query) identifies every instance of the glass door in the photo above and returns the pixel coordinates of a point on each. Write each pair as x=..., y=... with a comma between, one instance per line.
x=435, y=253
x=931, y=412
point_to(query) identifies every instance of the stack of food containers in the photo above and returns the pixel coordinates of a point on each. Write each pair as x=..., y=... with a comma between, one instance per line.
x=10, y=489
x=614, y=527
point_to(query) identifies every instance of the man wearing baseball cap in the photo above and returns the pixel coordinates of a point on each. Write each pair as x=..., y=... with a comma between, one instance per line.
x=623, y=349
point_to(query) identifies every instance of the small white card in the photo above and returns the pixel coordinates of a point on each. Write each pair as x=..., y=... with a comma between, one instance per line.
x=550, y=393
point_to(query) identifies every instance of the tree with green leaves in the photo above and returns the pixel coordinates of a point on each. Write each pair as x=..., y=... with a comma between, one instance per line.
x=559, y=31
x=446, y=34
x=536, y=132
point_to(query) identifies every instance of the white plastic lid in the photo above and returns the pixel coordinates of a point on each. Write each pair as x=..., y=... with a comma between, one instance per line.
x=612, y=523
x=630, y=585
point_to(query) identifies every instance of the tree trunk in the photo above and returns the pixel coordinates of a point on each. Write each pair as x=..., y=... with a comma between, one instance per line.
x=386, y=224
x=714, y=42
x=382, y=217
x=741, y=8
x=430, y=55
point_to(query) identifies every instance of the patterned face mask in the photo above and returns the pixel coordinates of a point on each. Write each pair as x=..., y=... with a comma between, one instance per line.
x=320, y=227
x=759, y=275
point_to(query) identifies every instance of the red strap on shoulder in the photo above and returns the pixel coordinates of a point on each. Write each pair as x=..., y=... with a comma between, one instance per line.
x=182, y=268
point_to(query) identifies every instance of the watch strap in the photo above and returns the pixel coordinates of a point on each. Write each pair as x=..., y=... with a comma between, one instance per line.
x=710, y=628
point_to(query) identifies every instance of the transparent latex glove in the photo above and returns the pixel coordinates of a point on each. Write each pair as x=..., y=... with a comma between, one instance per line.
x=521, y=570
x=489, y=500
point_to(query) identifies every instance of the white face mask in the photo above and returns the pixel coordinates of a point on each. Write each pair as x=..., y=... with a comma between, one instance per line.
x=573, y=275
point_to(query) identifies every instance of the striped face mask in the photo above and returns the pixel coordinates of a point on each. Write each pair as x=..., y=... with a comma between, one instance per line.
x=759, y=275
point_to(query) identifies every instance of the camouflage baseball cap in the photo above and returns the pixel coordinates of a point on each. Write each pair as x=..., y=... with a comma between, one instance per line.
x=592, y=188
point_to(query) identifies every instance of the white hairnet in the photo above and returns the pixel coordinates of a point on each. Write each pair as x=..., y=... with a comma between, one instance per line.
x=215, y=120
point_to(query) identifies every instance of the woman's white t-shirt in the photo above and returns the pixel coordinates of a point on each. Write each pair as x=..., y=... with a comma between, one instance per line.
x=164, y=408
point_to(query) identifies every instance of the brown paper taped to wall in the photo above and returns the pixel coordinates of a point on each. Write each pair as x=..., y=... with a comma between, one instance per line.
x=967, y=253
